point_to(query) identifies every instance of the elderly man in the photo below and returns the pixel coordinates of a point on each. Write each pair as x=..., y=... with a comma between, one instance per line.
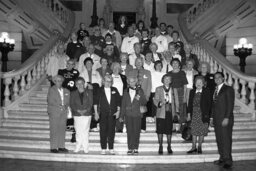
x=58, y=102
x=129, y=41
x=144, y=81
x=116, y=36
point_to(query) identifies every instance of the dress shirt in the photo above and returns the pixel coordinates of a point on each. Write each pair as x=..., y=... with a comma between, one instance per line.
x=156, y=80
x=61, y=91
x=168, y=96
x=149, y=67
x=199, y=91
x=190, y=77
x=128, y=43
x=161, y=42
x=219, y=87
x=123, y=67
x=132, y=94
x=108, y=93
x=118, y=83
x=169, y=38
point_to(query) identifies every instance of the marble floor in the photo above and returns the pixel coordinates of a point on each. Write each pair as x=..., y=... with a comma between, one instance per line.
x=29, y=165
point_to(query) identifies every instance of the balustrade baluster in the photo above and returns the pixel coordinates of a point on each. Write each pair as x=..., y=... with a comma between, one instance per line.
x=34, y=75
x=29, y=78
x=211, y=66
x=16, y=87
x=252, y=95
x=38, y=76
x=236, y=88
x=225, y=76
x=215, y=66
x=7, y=93
x=230, y=80
x=42, y=66
x=243, y=92
x=219, y=68
x=23, y=84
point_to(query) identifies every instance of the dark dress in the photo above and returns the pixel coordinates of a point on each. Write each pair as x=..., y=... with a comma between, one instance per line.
x=198, y=128
x=178, y=81
x=165, y=126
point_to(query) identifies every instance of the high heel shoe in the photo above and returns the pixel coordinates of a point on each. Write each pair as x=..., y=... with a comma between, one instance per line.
x=169, y=149
x=199, y=151
x=192, y=151
x=160, y=151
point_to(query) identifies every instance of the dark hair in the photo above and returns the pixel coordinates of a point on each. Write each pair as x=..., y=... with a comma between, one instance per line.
x=145, y=30
x=101, y=19
x=170, y=26
x=221, y=73
x=199, y=77
x=175, y=31
x=108, y=34
x=80, y=79
x=102, y=59
x=138, y=23
x=162, y=24
x=81, y=23
x=171, y=43
x=87, y=60
x=158, y=62
x=176, y=60
x=119, y=20
x=164, y=76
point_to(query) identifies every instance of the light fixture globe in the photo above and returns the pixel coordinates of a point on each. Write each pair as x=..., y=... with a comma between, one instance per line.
x=243, y=41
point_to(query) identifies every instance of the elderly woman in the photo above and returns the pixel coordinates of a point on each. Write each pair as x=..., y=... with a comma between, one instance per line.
x=107, y=108
x=81, y=102
x=133, y=99
x=164, y=100
x=199, y=108
x=56, y=62
x=104, y=69
x=119, y=82
x=58, y=99
x=179, y=85
x=125, y=67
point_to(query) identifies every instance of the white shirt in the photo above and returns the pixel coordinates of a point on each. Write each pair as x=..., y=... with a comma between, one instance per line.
x=118, y=83
x=161, y=42
x=169, y=38
x=132, y=59
x=190, y=77
x=108, y=94
x=156, y=80
x=199, y=91
x=118, y=38
x=61, y=91
x=95, y=58
x=55, y=63
x=149, y=67
x=177, y=56
x=156, y=57
x=165, y=64
x=132, y=94
x=219, y=87
x=128, y=43
x=169, y=97
x=123, y=67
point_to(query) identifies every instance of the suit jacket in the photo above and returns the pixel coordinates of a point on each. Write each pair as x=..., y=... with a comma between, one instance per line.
x=104, y=107
x=132, y=109
x=127, y=69
x=205, y=104
x=100, y=70
x=159, y=97
x=146, y=83
x=76, y=104
x=224, y=105
x=55, y=106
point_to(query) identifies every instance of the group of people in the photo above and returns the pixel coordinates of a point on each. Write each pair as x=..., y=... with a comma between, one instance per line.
x=122, y=77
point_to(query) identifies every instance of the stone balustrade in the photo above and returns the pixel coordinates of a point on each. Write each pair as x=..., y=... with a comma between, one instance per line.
x=243, y=85
x=198, y=9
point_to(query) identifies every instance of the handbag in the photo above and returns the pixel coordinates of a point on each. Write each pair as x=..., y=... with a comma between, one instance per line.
x=186, y=131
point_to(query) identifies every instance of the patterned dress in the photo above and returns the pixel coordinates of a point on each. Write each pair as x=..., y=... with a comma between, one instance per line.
x=198, y=128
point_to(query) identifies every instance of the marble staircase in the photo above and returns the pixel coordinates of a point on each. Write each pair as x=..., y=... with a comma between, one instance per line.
x=25, y=135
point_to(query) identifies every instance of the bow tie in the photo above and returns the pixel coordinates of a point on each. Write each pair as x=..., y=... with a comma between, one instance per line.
x=198, y=91
x=132, y=88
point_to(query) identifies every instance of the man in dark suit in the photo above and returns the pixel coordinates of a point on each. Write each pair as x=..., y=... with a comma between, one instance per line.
x=108, y=104
x=223, y=119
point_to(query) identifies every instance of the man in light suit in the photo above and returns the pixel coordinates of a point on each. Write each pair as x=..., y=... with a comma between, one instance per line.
x=144, y=81
x=223, y=120
x=58, y=102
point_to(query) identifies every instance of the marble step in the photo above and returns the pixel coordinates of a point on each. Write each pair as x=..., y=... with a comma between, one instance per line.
x=121, y=137
x=121, y=147
x=18, y=114
x=122, y=160
x=150, y=126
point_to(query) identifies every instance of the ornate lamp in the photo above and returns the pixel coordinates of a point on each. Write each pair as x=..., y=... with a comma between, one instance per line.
x=6, y=45
x=242, y=50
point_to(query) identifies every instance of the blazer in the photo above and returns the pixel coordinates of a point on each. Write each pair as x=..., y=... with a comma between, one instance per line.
x=54, y=106
x=205, y=104
x=103, y=105
x=76, y=104
x=127, y=69
x=224, y=105
x=132, y=109
x=100, y=70
x=146, y=83
x=159, y=97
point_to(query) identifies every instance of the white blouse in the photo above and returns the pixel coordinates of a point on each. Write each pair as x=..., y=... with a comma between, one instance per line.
x=156, y=80
x=118, y=83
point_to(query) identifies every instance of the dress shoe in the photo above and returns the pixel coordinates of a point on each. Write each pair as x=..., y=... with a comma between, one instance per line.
x=218, y=162
x=63, y=150
x=112, y=152
x=135, y=152
x=130, y=152
x=160, y=151
x=199, y=151
x=169, y=150
x=192, y=151
x=227, y=166
x=103, y=152
x=54, y=151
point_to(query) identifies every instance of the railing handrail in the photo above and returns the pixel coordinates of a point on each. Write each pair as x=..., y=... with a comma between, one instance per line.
x=212, y=51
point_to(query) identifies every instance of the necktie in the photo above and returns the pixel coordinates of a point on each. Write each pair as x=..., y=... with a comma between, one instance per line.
x=215, y=94
x=167, y=68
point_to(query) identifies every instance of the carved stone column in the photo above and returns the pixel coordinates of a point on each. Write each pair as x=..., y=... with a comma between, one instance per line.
x=94, y=15
x=153, y=18
x=108, y=12
x=141, y=14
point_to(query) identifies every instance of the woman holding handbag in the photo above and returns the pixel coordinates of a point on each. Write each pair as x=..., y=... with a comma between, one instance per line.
x=199, y=106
